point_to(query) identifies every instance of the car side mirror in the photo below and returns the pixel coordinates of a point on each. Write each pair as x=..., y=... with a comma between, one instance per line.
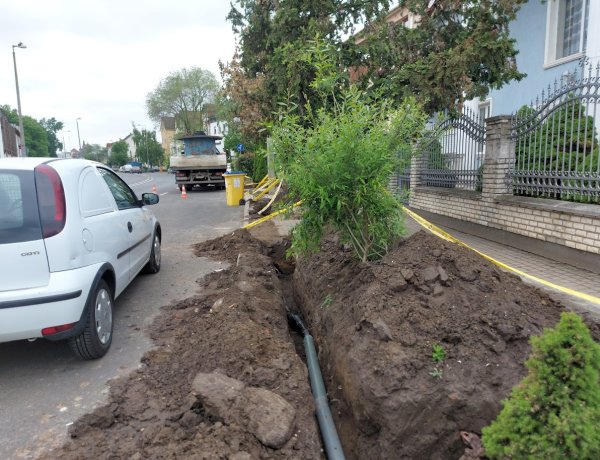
x=149, y=198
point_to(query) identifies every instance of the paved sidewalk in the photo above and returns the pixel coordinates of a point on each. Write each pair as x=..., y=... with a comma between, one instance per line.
x=554, y=272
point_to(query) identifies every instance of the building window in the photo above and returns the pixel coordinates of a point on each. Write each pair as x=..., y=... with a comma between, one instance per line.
x=485, y=111
x=566, y=30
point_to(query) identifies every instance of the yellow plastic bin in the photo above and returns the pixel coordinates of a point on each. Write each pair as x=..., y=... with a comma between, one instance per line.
x=234, y=188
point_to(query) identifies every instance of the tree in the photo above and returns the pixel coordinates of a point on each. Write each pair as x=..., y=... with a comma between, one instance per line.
x=184, y=95
x=457, y=51
x=36, y=137
x=119, y=153
x=554, y=412
x=52, y=126
x=148, y=149
x=94, y=152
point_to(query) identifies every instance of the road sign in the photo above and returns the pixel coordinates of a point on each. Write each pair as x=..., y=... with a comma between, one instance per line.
x=240, y=148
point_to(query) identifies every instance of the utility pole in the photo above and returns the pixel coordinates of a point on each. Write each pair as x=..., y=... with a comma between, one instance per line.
x=78, y=138
x=22, y=148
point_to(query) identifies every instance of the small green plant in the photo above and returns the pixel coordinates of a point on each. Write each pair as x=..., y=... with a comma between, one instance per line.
x=437, y=373
x=326, y=301
x=438, y=354
x=554, y=413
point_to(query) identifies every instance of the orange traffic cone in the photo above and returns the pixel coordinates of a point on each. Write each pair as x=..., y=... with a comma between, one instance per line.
x=183, y=192
x=154, y=190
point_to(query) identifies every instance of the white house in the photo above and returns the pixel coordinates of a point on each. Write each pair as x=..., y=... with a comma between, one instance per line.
x=132, y=149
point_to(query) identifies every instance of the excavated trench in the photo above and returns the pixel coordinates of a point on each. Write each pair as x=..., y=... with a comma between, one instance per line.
x=228, y=376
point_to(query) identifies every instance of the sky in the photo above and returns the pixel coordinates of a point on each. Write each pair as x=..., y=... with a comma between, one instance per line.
x=98, y=59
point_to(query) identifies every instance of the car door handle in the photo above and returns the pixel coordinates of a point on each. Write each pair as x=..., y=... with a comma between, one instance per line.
x=129, y=227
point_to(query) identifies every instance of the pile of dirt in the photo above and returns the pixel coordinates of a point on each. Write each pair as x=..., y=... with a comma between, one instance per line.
x=376, y=324
x=224, y=381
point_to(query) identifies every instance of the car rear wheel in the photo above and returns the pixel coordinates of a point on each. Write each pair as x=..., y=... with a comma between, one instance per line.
x=96, y=337
x=153, y=265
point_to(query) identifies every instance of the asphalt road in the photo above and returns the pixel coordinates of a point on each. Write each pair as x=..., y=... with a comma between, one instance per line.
x=44, y=388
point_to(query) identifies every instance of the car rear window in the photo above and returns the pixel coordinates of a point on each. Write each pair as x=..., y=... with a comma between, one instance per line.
x=19, y=216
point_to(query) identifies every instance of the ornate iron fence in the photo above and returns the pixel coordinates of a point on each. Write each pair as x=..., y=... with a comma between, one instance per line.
x=453, y=151
x=402, y=177
x=556, y=140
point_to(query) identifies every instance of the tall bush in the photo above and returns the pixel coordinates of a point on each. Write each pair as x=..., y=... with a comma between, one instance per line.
x=554, y=413
x=339, y=167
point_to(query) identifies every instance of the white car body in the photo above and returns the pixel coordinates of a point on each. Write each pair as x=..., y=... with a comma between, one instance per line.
x=46, y=283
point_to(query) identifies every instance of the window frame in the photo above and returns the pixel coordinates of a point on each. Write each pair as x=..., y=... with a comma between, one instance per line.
x=553, y=18
x=132, y=205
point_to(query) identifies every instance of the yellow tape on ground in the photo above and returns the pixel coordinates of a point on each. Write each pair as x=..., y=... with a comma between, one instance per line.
x=446, y=236
x=264, y=185
x=262, y=181
x=270, y=216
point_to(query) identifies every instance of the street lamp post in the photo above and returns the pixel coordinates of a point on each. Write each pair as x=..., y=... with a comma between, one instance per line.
x=64, y=145
x=147, y=156
x=78, y=138
x=23, y=149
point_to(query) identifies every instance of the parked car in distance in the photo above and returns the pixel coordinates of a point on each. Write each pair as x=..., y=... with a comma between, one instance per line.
x=73, y=235
x=125, y=169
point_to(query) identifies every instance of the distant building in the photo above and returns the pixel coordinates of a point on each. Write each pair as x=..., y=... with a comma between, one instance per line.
x=132, y=150
x=167, y=135
x=9, y=139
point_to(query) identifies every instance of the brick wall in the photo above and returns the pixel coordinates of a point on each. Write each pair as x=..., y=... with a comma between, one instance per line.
x=573, y=225
x=569, y=224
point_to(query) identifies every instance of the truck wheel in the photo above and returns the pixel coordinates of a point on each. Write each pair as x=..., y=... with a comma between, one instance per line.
x=96, y=337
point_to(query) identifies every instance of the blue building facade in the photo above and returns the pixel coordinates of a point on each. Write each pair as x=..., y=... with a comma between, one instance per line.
x=553, y=38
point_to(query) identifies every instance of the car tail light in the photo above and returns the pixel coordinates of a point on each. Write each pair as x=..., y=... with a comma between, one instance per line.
x=51, y=200
x=56, y=329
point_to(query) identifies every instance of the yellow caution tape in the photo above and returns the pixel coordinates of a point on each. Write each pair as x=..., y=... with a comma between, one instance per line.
x=270, y=216
x=266, y=190
x=446, y=236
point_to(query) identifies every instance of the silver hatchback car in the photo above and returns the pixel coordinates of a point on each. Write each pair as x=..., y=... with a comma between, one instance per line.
x=73, y=235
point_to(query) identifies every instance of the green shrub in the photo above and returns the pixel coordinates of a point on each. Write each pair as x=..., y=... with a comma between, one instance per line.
x=340, y=168
x=554, y=413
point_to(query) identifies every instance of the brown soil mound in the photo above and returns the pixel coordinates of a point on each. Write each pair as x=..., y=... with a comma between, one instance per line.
x=236, y=327
x=376, y=324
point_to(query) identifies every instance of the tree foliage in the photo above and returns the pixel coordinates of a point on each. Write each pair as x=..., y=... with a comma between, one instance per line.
x=119, y=153
x=36, y=139
x=94, y=152
x=554, y=412
x=147, y=148
x=459, y=49
x=184, y=95
x=52, y=126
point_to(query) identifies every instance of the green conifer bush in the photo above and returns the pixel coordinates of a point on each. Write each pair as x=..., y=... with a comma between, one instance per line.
x=554, y=413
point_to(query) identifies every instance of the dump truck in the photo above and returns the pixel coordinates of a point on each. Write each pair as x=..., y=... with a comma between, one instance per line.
x=200, y=163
